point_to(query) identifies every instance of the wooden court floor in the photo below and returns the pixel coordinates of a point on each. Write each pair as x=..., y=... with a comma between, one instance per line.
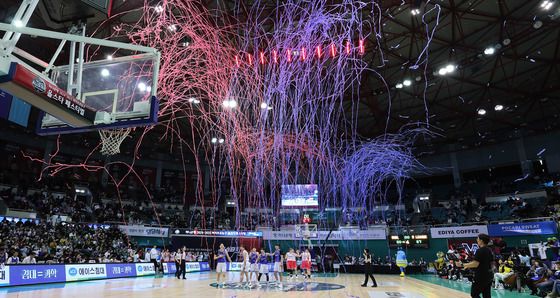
x=198, y=285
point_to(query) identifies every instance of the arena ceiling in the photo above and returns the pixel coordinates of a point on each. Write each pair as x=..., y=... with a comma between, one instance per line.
x=505, y=83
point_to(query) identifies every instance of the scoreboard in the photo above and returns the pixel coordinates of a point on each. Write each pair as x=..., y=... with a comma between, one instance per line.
x=409, y=241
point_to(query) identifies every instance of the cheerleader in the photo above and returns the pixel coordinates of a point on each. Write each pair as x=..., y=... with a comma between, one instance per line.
x=306, y=263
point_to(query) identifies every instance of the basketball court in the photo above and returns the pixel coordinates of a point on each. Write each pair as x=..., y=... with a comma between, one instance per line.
x=200, y=285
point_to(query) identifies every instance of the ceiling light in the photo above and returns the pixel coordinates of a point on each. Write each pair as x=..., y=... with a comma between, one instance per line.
x=214, y=140
x=264, y=105
x=105, y=72
x=191, y=99
x=196, y=101
x=142, y=86
x=489, y=51
x=18, y=23
x=547, y=4
x=158, y=9
x=442, y=71
x=109, y=57
x=537, y=24
x=415, y=11
x=172, y=28
x=407, y=82
x=498, y=107
x=220, y=141
x=481, y=112
x=450, y=68
x=399, y=85
x=229, y=103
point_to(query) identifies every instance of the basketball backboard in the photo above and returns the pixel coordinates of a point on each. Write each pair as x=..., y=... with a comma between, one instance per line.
x=119, y=87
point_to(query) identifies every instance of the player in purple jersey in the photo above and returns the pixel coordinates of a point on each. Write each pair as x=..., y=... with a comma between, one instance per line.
x=221, y=268
x=278, y=259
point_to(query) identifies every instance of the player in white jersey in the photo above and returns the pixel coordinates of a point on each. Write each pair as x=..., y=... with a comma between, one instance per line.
x=245, y=264
x=306, y=262
x=291, y=262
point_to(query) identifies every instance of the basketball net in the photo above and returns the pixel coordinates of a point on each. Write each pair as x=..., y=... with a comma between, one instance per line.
x=111, y=140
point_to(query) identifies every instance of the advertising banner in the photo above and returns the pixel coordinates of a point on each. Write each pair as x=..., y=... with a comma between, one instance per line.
x=121, y=270
x=204, y=266
x=469, y=244
x=234, y=266
x=346, y=234
x=143, y=231
x=226, y=234
x=5, y=276
x=36, y=274
x=169, y=268
x=85, y=271
x=145, y=269
x=458, y=232
x=523, y=228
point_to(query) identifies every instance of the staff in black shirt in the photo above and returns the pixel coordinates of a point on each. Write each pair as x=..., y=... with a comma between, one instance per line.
x=482, y=265
x=368, y=269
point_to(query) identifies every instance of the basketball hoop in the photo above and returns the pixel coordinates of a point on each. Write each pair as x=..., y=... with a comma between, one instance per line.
x=111, y=140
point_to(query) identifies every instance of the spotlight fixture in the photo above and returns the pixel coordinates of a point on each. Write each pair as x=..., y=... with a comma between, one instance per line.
x=105, y=72
x=109, y=57
x=407, y=82
x=498, y=107
x=537, y=24
x=547, y=4
x=489, y=51
x=214, y=140
x=196, y=101
x=18, y=23
x=221, y=141
x=142, y=87
x=415, y=11
x=264, y=105
x=172, y=28
x=158, y=8
x=191, y=99
x=399, y=85
x=481, y=112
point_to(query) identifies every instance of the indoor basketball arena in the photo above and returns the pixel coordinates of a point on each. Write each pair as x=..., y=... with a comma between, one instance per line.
x=263, y=148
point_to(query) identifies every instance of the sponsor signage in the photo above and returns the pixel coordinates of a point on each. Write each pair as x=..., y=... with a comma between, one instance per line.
x=346, y=234
x=143, y=231
x=121, y=270
x=458, y=232
x=85, y=271
x=4, y=276
x=192, y=267
x=145, y=269
x=221, y=233
x=43, y=88
x=169, y=268
x=523, y=228
x=35, y=274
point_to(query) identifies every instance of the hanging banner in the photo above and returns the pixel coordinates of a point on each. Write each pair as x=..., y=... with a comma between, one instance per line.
x=458, y=232
x=523, y=228
x=346, y=234
x=143, y=231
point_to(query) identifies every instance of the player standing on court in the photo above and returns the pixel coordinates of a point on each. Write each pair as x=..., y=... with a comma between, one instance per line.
x=278, y=263
x=245, y=264
x=220, y=259
x=254, y=267
x=306, y=262
x=291, y=262
x=263, y=265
